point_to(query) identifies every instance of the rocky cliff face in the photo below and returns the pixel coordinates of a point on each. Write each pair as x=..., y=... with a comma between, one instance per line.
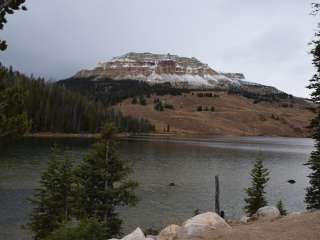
x=158, y=68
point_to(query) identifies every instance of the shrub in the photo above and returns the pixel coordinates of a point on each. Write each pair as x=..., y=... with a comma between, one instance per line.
x=85, y=230
x=142, y=100
x=151, y=231
x=168, y=105
x=159, y=107
x=134, y=100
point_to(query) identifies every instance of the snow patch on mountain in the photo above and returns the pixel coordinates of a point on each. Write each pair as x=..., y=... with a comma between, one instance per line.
x=161, y=68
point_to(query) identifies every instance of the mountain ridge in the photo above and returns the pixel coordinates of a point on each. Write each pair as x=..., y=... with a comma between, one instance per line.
x=190, y=98
x=180, y=72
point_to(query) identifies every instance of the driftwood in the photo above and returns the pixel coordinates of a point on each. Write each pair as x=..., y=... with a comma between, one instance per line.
x=217, y=195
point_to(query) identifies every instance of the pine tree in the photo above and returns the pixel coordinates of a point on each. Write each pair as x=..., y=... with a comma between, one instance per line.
x=142, y=100
x=14, y=121
x=282, y=210
x=54, y=199
x=104, y=185
x=259, y=178
x=312, y=197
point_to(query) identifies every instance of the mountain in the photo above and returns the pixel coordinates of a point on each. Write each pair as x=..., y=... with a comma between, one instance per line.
x=180, y=72
x=184, y=96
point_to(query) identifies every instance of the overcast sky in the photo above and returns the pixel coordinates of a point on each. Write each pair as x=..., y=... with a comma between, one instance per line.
x=265, y=40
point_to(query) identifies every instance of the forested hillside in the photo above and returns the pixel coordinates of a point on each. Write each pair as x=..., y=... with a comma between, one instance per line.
x=111, y=91
x=53, y=108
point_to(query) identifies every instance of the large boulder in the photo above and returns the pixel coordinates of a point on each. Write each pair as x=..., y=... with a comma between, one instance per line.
x=135, y=235
x=244, y=219
x=203, y=226
x=151, y=237
x=267, y=213
x=169, y=233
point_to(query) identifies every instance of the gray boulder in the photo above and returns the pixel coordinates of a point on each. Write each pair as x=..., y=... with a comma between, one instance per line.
x=135, y=235
x=267, y=213
x=203, y=226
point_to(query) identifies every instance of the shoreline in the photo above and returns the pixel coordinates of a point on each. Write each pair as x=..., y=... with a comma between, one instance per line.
x=147, y=135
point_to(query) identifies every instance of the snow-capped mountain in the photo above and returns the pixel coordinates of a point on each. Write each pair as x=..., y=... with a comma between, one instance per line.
x=161, y=68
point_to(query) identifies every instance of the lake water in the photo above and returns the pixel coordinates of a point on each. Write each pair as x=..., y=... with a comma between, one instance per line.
x=190, y=164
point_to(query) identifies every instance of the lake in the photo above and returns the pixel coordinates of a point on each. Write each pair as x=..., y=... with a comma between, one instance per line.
x=189, y=163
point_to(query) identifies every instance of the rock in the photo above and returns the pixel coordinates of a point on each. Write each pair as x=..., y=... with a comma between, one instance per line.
x=172, y=184
x=268, y=213
x=151, y=237
x=135, y=235
x=244, y=219
x=292, y=181
x=169, y=233
x=203, y=226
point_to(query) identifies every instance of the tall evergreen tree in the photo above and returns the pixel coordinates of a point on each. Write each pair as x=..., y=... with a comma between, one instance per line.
x=54, y=199
x=103, y=179
x=53, y=108
x=259, y=178
x=312, y=197
x=14, y=121
x=282, y=210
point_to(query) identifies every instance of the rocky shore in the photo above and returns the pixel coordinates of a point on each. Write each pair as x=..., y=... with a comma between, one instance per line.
x=266, y=224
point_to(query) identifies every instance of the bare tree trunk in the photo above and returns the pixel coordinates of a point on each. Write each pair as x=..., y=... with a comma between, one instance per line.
x=217, y=195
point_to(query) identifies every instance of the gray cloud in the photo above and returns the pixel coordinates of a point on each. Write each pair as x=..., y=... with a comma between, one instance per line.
x=266, y=40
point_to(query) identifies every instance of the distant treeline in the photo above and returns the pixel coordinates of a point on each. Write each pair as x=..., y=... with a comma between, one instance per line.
x=110, y=91
x=53, y=108
x=259, y=96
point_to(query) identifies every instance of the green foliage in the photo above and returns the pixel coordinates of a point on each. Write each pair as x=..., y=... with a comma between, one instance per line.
x=53, y=108
x=14, y=121
x=94, y=191
x=142, y=100
x=8, y=7
x=259, y=96
x=196, y=212
x=159, y=106
x=104, y=184
x=89, y=229
x=312, y=197
x=54, y=200
x=199, y=108
x=283, y=211
x=134, y=100
x=259, y=178
x=151, y=231
x=205, y=94
x=168, y=106
x=110, y=91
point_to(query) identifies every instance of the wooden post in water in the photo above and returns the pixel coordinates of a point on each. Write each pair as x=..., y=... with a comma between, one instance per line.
x=217, y=195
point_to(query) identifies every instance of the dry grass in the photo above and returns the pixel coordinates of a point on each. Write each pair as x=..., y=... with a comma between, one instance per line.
x=304, y=226
x=234, y=115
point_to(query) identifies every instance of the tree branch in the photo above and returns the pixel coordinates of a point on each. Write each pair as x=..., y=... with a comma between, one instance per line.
x=5, y=3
